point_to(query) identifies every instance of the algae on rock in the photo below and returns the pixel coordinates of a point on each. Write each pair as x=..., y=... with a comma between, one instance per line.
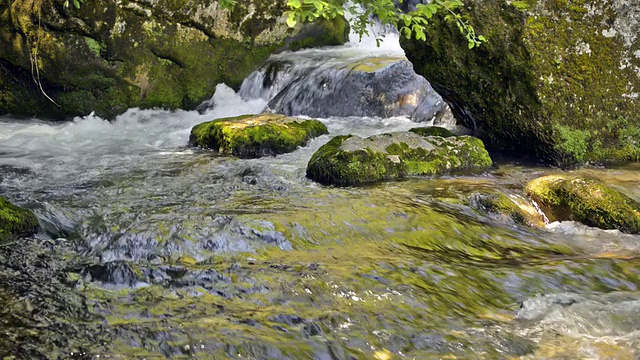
x=108, y=56
x=511, y=207
x=15, y=221
x=351, y=160
x=252, y=136
x=589, y=201
x=558, y=80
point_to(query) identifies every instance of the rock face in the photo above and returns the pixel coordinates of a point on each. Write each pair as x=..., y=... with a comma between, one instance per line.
x=589, y=201
x=351, y=160
x=252, y=136
x=557, y=79
x=108, y=56
x=378, y=86
x=15, y=221
x=432, y=107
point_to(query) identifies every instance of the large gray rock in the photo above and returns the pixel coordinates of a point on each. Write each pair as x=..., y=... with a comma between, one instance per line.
x=108, y=55
x=559, y=80
x=377, y=86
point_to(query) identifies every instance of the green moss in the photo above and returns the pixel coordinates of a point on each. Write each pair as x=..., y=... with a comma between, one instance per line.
x=15, y=221
x=433, y=131
x=597, y=146
x=94, y=46
x=520, y=5
x=574, y=142
x=350, y=162
x=585, y=200
x=472, y=152
x=547, y=83
x=251, y=136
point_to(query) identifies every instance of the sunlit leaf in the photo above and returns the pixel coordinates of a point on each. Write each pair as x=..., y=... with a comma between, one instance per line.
x=291, y=20
x=295, y=4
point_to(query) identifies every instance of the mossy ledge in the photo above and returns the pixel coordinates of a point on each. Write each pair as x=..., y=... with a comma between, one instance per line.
x=589, y=201
x=433, y=131
x=557, y=80
x=252, y=136
x=108, y=56
x=16, y=221
x=352, y=160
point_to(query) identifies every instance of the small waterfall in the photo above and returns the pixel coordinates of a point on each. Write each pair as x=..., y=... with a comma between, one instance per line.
x=362, y=78
x=344, y=81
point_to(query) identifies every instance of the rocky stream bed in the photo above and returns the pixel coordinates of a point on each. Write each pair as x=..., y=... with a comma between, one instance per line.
x=150, y=248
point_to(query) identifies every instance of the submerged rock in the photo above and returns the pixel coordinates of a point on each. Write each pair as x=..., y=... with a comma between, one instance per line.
x=513, y=208
x=252, y=136
x=589, y=201
x=557, y=80
x=15, y=221
x=351, y=160
x=108, y=56
x=378, y=86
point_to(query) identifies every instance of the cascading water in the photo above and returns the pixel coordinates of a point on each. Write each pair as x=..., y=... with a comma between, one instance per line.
x=150, y=249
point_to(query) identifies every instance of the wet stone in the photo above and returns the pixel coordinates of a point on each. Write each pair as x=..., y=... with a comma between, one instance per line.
x=374, y=86
x=115, y=272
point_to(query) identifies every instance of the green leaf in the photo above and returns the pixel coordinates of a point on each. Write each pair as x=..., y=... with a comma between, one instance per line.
x=482, y=38
x=295, y=4
x=407, y=32
x=471, y=44
x=291, y=19
x=318, y=5
x=76, y=3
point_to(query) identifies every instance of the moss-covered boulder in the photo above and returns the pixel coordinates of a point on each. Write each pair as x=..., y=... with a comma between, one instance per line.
x=252, y=136
x=557, y=79
x=108, y=56
x=589, y=201
x=15, y=221
x=351, y=160
x=432, y=131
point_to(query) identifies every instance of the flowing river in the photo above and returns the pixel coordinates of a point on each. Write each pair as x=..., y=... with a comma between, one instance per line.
x=151, y=249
